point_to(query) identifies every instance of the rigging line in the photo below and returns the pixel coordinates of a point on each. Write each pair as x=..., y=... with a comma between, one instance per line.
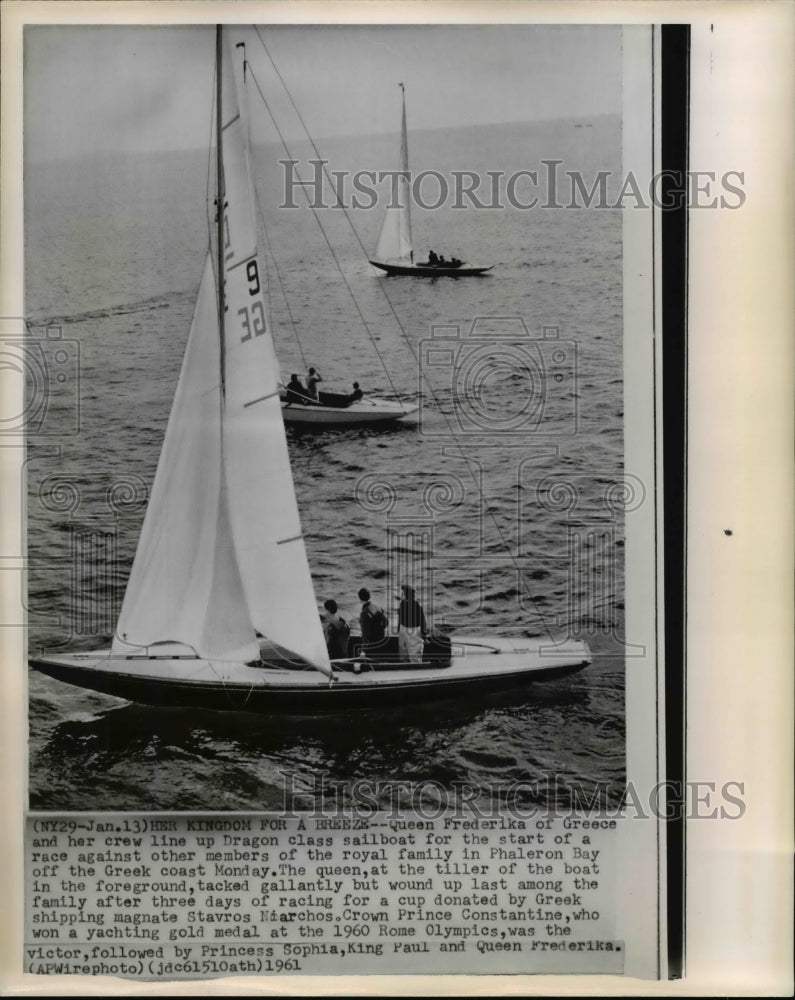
x=326, y=239
x=208, y=199
x=453, y=436
x=328, y=242
x=400, y=326
x=275, y=267
x=211, y=216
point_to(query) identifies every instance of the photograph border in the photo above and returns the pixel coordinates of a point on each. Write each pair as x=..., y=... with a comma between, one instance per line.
x=751, y=860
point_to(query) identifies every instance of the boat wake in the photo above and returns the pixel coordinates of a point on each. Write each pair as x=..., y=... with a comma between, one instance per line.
x=123, y=309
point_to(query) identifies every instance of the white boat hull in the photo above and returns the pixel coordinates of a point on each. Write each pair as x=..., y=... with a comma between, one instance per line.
x=476, y=666
x=371, y=411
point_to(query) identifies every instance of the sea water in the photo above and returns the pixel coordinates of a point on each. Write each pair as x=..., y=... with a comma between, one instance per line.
x=496, y=499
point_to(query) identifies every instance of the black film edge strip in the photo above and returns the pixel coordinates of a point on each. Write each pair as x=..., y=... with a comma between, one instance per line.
x=675, y=75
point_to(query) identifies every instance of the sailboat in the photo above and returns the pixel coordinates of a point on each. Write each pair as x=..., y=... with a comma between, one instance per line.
x=334, y=409
x=394, y=252
x=338, y=409
x=219, y=610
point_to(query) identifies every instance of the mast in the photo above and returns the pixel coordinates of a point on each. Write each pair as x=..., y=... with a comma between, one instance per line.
x=221, y=555
x=219, y=200
x=395, y=241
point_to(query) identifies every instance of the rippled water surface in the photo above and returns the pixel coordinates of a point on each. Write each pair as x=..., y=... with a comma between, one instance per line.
x=500, y=493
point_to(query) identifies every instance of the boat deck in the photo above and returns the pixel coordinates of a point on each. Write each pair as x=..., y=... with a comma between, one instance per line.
x=476, y=665
x=365, y=411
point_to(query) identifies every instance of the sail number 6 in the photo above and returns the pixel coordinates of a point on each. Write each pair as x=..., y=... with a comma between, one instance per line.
x=253, y=277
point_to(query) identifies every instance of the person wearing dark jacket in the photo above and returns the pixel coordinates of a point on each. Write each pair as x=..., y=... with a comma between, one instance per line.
x=411, y=626
x=336, y=631
x=296, y=393
x=373, y=623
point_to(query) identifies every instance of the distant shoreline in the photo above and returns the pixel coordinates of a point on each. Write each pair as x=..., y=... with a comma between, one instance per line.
x=387, y=136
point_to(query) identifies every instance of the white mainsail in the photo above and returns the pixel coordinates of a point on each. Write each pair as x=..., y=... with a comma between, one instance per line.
x=264, y=512
x=221, y=555
x=395, y=242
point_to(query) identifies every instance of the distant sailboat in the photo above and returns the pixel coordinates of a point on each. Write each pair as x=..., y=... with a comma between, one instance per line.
x=219, y=610
x=333, y=409
x=394, y=252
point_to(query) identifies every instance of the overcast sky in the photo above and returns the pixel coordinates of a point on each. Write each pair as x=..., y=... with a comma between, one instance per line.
x=127, y=89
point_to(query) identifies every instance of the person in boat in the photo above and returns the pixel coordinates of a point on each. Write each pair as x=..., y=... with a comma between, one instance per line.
x=433, y=260
x=373, y=623
x=455, y=262
x=296, y=393
x=411, y=626
x=442, y=262
x=312, y=379
x=356, y=395
x=336, y=630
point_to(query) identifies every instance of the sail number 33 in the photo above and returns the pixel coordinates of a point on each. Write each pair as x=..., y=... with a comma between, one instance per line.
x=252, y=317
